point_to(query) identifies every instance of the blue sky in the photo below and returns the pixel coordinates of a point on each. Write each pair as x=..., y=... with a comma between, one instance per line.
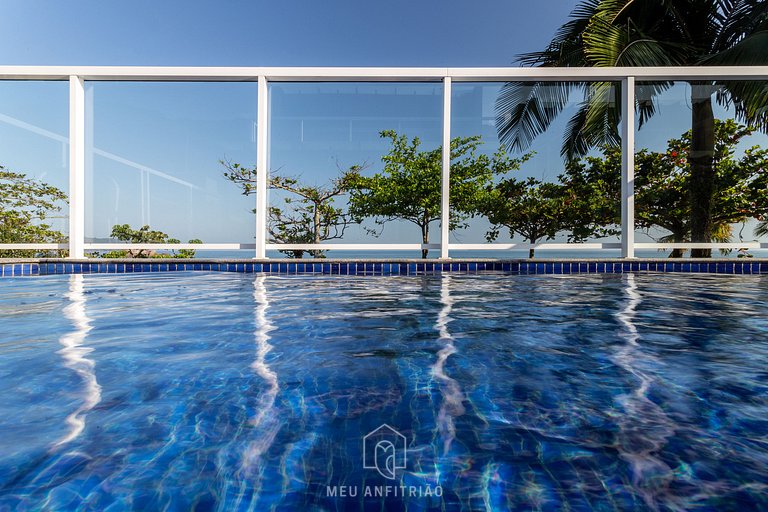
x=276, y=33
x=156, y=147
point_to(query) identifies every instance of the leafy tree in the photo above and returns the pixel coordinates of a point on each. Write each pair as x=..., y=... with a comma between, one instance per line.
x=145, y=235
x=308, y=215
x=607, y=33
x=25, y=205
x=530, y=208
x=662, y=180
x=408, y=188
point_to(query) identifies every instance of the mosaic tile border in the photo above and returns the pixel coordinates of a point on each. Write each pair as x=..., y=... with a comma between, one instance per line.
x=394, y=268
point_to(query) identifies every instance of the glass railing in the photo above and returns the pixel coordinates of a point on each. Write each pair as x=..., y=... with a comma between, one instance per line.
x=383, y=162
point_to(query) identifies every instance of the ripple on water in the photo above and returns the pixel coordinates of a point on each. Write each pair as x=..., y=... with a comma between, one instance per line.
x=209, y=390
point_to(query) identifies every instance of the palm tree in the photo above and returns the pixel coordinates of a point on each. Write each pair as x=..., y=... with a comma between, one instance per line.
x=606, y=33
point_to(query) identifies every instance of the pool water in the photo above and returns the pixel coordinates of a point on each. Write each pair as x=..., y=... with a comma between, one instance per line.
x=240, y=392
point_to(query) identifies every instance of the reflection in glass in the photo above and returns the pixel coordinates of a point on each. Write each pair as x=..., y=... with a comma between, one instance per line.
x=153, y=157
x=320, y=130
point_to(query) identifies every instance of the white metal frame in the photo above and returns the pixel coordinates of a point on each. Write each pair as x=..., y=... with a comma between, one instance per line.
x=78, y=75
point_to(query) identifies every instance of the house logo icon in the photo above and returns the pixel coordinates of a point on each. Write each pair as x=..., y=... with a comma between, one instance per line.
x=384, y=450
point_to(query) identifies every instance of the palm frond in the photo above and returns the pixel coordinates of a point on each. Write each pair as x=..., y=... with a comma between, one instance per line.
x=566, y=48
x=526, y=109
x=645, y=95
x=595, y=123
x=762, y=228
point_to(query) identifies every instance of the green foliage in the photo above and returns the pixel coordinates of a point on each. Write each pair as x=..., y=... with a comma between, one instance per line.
x=662, y=181
x=408, y=188
x=629, y=33
x=530, y=208
x=145, y=235
x=25, y=204
x=308, y=215
x=652, y=33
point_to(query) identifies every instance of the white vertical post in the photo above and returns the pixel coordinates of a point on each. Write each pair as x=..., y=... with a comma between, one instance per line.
x=445, y=199
x=76, y=167
x=262, y=168
x=628, y=167
x=89, y=188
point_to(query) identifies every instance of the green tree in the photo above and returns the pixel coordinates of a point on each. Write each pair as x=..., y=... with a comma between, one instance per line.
x=607, y=33
x=308, y=215
x=408, y=188
x=662, y=180
x=533, y=209
x=25, y=206
x=145, y=235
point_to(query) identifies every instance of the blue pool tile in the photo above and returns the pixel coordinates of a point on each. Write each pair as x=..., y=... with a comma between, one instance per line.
x=755, y=268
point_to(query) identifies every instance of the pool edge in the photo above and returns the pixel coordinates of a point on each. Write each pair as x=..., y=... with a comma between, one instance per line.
x=48, y=266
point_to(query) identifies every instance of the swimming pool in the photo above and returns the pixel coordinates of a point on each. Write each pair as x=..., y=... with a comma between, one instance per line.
x=226, y=391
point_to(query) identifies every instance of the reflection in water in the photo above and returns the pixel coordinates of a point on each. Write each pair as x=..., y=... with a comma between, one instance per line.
x=452, y=403
x=644, y=428
x=74, y=354
x=264, y=422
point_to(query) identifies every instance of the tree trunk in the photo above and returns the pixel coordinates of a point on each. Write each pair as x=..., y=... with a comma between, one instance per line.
x=677, y=238
x=701, y=160
x=424, y=240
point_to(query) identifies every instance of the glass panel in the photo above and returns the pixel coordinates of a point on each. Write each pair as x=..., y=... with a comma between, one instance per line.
x=154, y=159
x=34, y=156
x=534, y=200
x=668, y=151
x=321, y=130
